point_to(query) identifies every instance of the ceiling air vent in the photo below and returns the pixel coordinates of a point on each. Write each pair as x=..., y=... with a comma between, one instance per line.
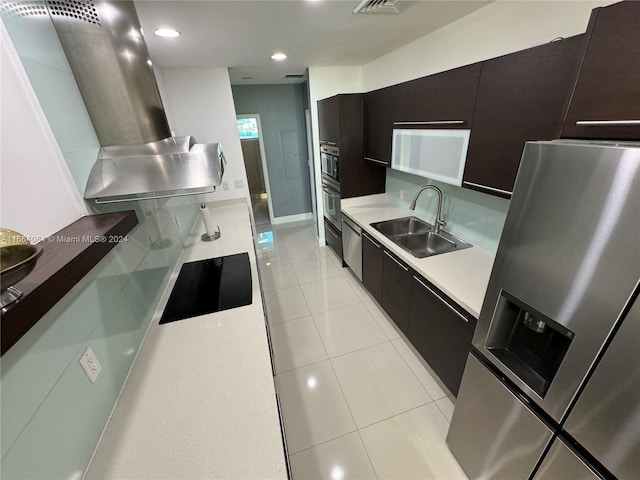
x=383, y=6
x=294, y=75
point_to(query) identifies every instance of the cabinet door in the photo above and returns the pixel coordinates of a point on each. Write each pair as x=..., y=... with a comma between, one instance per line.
x=521, y=97
x=378, y=126
x=333, y=238
x=443, y=100
x=608, y=86
x=396, y=290
x=357, y=176
x=440, y=332
x=328, y=120
x=372, y=266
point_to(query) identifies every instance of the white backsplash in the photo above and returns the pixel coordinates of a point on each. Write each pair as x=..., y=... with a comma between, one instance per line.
x=473, y=216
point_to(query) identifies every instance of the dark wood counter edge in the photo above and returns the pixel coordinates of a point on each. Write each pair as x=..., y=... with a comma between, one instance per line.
x=68, y=256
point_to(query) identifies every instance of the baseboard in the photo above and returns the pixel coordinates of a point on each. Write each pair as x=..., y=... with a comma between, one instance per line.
x=292, y=218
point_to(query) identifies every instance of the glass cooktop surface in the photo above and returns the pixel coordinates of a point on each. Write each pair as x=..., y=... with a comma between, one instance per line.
x=208, y=286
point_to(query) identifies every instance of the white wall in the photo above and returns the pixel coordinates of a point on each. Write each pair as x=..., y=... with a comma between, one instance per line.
x=497, y=29
x=38, y=196
x=325, y=82
x=199, y=102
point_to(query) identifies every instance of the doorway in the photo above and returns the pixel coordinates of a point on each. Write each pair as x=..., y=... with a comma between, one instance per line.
x=251, y=140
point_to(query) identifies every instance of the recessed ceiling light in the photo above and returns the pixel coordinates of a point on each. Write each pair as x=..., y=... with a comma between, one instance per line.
x=167, y=32
x=278, y=56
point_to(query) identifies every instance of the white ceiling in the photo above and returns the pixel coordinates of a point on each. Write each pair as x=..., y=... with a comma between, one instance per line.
x=243, y=34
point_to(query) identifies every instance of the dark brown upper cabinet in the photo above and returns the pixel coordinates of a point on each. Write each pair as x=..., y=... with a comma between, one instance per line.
x=606, y=99
x=328, y=128
x=378, y=125
x=521, y=97
x=443, y=100
x=340, y=125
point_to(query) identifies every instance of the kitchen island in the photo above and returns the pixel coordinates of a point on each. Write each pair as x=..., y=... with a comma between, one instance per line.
x=462, y=275
x=199, y=401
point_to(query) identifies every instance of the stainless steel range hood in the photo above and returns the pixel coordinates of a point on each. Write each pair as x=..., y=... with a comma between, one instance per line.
x=107, y=53
x=171, y=167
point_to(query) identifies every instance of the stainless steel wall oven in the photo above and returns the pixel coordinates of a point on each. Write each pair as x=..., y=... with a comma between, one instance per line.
x=330, y=160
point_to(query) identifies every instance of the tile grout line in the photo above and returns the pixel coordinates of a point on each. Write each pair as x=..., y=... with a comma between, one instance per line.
x=414, y=374
x=329, y=358
x=368, y=454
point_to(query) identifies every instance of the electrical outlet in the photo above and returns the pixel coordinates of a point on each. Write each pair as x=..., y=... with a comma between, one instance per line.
x=401, y=194
x=178, y=222
x=225, y=185
x=90, y=364
x=238, y=183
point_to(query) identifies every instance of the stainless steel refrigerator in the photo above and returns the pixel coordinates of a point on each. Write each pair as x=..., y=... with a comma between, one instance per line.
x=565, y=276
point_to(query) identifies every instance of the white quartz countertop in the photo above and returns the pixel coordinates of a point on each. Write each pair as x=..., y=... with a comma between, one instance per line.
x=200, y=399
x=463, y=275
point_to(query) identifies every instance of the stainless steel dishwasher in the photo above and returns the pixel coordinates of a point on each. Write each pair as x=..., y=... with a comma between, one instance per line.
x=352, y=245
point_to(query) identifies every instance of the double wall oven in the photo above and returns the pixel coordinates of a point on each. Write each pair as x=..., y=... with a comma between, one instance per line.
x=330, y=161
x=330, y=158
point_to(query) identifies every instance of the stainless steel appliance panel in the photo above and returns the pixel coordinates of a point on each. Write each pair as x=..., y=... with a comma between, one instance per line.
x=156, y=176
x=103, y=43
x=492, y=433
x=569, y=249
x=331, y=203
x=561, y=463
x=606, y=417
x=330, y=162
x=352, y=246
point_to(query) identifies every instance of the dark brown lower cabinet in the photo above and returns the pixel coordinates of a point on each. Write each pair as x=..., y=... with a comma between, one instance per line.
x=396, y=290
x=440, y=332
x=333, y=238
x=372, y=254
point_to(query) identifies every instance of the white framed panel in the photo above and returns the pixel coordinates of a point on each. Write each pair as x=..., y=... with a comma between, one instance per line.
x=436, y=154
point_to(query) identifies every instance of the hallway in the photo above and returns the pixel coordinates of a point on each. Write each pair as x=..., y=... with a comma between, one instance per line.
x=357, y=401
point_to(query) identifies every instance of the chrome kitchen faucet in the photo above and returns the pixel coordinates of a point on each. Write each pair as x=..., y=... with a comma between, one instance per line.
x=439, y=222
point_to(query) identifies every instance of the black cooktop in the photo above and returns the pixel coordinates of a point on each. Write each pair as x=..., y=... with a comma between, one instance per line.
x=209, y=286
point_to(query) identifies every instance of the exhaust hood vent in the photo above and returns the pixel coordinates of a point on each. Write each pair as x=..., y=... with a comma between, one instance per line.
x=139, y=158
x=383, y=6
x=33, y=8
x=84, y=10
x=169, y=168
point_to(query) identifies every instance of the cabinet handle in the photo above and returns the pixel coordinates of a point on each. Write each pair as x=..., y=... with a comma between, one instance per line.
x=608, y=123
x=375, y=161
x=331, y=232
x=406, y=269
x=377, y=245
x=435, y=122
x=441, y=299
x=506, y=192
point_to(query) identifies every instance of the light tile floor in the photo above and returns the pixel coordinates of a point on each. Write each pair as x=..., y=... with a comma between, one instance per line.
x=357, y=399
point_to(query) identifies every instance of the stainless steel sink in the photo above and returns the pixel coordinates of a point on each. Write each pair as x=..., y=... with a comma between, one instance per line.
x=402, y=226
x=418, y=237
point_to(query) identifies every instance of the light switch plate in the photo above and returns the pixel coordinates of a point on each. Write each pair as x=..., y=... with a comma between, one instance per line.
x=238, y=183
x=90, y=364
